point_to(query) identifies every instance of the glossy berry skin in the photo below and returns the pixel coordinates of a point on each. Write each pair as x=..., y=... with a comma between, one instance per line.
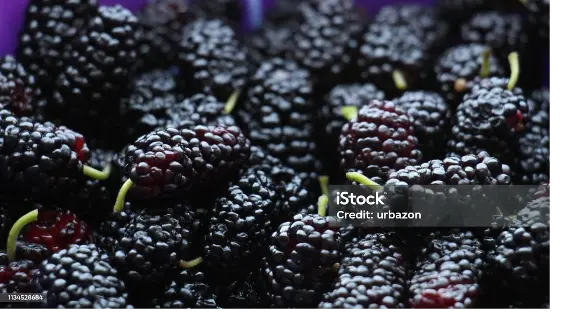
x=162, y=23
x=490, y=118
x=469, y=169
x=81, y=277
x=171, y=161
x=431, y=115
x=56, y=230
x=49, y=28
x=519, y=257
x=503, y=32
x=372, y=274
x=386, y=48
x=40, y=160
x=19, y=90
x=380, y=140
x=188, y=290
x=112, y=229
x=448, y=273
x=330, y=124
x=533, y=162
x=299, y=264
x=458, y=67
x=240, y=221
x=149, y=245
x=101, y=63
x=277, y=113
x=326, y=40
x=422, y=20
x=213, y=58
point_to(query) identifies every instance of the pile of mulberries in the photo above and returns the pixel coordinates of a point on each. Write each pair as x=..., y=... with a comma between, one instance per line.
x=194, y=154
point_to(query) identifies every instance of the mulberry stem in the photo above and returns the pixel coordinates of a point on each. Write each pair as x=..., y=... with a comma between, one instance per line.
x=231, y=102
x=485, y=70
x=324, y=181
x=399, y=80
x=357, y=177
x=120, y=201
x=349, y=112
x=15, y=232
x=514, y=66
x=461, y=85
x=323, y=205
x=96, y=174
x=190, y=264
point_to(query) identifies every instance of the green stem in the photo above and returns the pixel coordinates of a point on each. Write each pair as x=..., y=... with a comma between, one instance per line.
x=324, y=181
x=514, y=66
x=96, y=174
x=349, y=112
x=361, y=179
x=485, y=70
x=190, y=264
x=120, y=201
x=15, y=232
x=323, y=205
x=399, y=80
x=231, y=102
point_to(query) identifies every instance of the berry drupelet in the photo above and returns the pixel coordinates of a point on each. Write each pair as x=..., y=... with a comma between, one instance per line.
x=326, y=40
x=211, y=55
x=533, y=161
x=277, y=113
x=329, y=126
x=381, y=139
x=240, y=221
x=431, y=117
x=393, y=57
x=187, y=290
x=491, y=118
x=301, y=261
x=372, y=274
x=162, y=23
x=49, y=28
x=459, y=66
x=449, y=272
x=81, y=277
x=19, y=90
x=421, y=19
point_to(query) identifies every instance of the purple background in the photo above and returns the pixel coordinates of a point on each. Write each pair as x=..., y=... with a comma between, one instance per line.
x=12, y=14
